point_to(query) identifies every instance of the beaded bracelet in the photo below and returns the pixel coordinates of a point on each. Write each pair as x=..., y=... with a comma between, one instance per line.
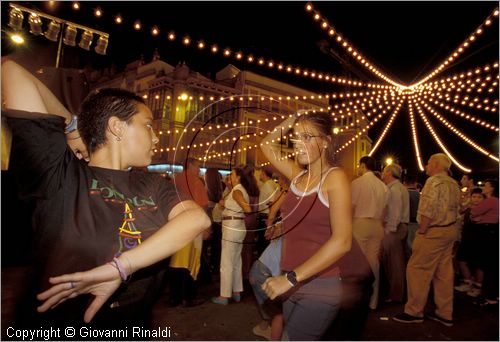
x=119, y=266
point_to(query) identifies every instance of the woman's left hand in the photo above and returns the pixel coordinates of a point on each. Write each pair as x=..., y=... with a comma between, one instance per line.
x=101, y=282
x=276, y=286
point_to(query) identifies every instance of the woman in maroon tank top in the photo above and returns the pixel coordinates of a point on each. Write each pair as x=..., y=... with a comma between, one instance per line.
x=317, y=224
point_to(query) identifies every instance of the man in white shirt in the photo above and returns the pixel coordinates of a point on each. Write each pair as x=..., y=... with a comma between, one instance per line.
x=396, y=229
x=369, y=199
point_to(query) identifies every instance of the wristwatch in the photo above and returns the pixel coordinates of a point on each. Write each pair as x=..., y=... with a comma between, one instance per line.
x=72, y=126
x=292, y=278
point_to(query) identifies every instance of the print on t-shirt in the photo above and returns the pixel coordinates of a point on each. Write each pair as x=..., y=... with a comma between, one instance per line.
x=129, y=235
x=110, y=194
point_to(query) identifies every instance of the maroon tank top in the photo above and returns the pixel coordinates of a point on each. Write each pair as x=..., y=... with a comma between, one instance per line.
x=306, y=223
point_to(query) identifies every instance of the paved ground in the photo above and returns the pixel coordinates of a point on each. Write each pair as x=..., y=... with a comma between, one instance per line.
x=235, y=321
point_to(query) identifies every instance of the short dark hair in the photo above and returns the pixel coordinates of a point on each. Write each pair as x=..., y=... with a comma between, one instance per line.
x=410, y=178
x=98, y=107
x=494, y=185
x=214, y=184
x=369, y=162
x=191, y=161
x=476, y=191
x=247, y=179
x=470, y=176
x=268, y=171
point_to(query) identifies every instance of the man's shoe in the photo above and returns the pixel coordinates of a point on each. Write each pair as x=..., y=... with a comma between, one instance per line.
x=405, y=318
x=439, y=319
x=265, y=333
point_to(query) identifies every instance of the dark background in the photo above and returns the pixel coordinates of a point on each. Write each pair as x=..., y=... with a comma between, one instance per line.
x=406, y=40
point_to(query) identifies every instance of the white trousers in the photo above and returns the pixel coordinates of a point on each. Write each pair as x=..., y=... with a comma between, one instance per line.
x=233, y=234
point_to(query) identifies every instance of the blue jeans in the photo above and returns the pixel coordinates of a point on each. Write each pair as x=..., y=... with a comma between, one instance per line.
x=310, y=310
x=258, y=275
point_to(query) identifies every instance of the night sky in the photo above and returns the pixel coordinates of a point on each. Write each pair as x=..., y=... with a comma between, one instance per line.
x=403, y=39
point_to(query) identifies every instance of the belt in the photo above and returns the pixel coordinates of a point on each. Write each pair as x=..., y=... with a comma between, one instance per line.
x=232, y=218
x=443, y=225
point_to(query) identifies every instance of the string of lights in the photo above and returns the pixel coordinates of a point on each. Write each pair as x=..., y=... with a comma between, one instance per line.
x=386, y=128
x=371, y=100
x=453, y=56
x=459, y=133
x=362, y=131
x=476, y=84
x=466, y=101
x=238, y=55
x=335, y=35
x=415, y=136
x=435, y=136
x=467, y=74
x=463, y=115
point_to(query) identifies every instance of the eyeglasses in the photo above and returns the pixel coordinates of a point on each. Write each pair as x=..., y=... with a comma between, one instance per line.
x=304, y=137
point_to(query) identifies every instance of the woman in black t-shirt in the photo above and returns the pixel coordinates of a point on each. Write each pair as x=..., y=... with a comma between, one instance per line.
x=96, y=223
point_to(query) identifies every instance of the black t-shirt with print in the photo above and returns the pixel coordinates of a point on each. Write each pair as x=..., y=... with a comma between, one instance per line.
x=85, y=215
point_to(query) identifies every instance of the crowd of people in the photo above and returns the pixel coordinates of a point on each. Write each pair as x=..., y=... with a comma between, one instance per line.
x=318, y=250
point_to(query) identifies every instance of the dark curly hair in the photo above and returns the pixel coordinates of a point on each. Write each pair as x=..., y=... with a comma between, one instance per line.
x=247, y=179
x=494, y=185
x=98, y=107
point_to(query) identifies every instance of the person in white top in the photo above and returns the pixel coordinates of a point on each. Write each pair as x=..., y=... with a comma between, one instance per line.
x=396, y=229
x=236, y=205
x=369, y=199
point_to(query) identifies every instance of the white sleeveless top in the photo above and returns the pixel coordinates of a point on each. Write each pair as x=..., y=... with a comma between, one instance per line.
x=231, y=207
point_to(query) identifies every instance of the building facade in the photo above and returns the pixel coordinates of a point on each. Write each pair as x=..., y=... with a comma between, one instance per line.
x=218, y=121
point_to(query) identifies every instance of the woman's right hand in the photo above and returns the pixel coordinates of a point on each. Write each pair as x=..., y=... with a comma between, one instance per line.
x=76, y=144
x=101, y=282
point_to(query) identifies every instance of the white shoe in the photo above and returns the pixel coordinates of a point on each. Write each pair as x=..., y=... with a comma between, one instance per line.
x=464, y=287
x=474, y=292
x=265, y=333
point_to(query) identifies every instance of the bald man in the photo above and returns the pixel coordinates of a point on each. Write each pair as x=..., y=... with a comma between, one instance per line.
x=431, y=260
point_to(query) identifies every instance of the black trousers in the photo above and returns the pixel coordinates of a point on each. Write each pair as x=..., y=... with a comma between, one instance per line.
x=182, y=285
x=351, y=319
x=489, y=259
